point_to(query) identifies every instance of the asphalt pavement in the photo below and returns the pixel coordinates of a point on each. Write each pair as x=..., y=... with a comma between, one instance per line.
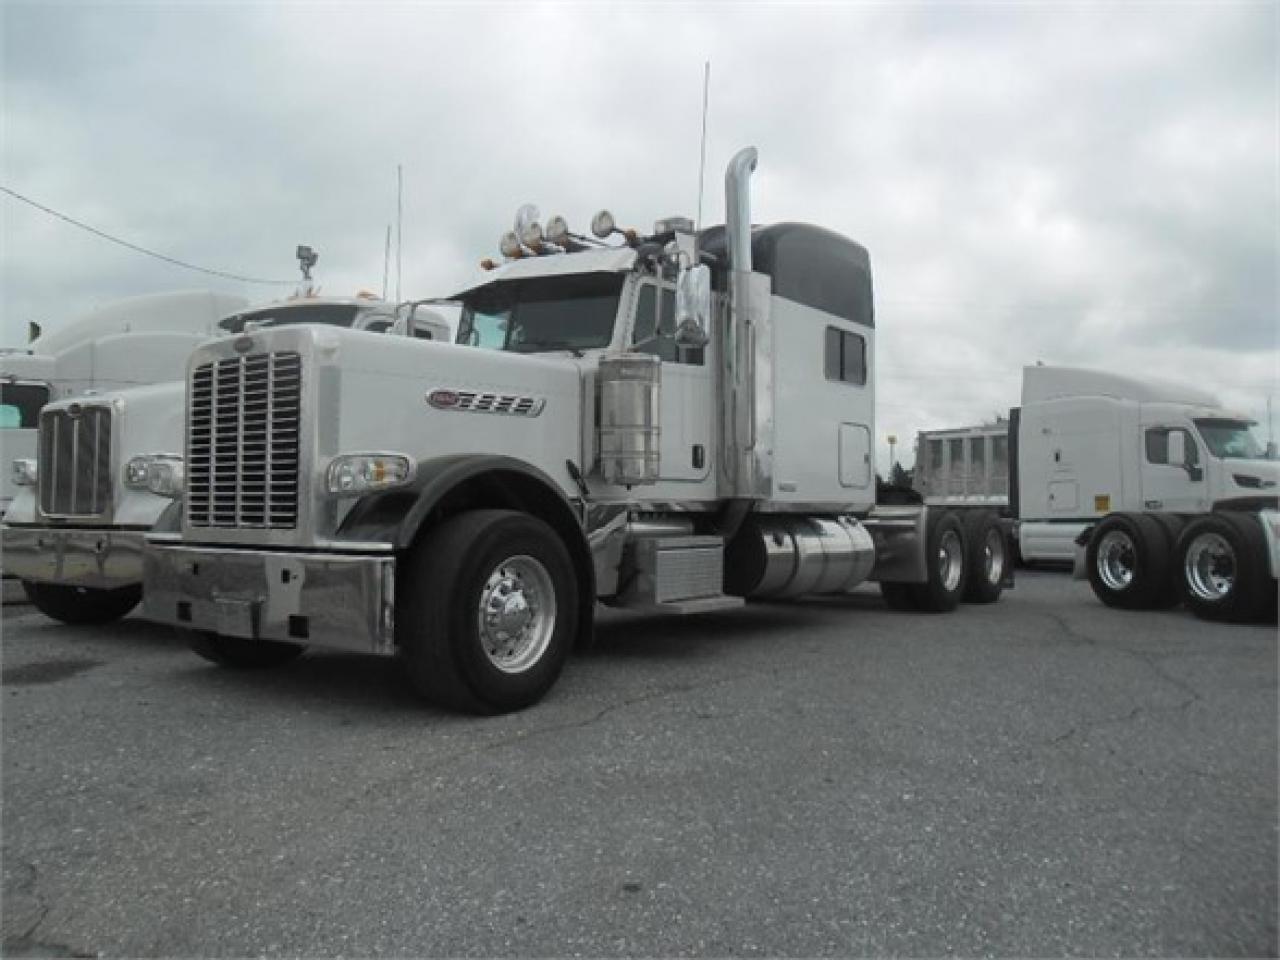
x=1039, y=777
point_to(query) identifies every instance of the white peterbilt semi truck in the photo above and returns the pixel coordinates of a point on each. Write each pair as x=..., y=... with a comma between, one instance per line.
x=73, y=535
x=674, y=447
x=1154, y=490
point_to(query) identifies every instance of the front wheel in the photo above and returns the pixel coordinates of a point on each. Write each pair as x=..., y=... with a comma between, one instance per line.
x=81, y=605
x=489, y=611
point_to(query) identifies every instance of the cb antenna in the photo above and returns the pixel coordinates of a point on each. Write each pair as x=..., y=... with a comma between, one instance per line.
x=702, y=159
x=399, y=221
x=386, y=260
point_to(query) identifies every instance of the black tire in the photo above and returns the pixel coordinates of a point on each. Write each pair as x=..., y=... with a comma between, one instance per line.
x=1223, y=569
x=448, y=658
x=1170, y=594
x=988, y=557
x=1128, y=559
x=946, y=561
x=899, y=596
x=81, y=605
x=237, y=653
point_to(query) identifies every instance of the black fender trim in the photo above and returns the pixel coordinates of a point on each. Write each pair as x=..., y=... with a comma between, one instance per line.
x=1247, y=504
x=446, y=486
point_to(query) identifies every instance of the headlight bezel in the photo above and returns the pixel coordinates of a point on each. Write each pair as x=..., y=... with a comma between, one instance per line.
x=355, y=474
x=25, y=471
x=163, y=474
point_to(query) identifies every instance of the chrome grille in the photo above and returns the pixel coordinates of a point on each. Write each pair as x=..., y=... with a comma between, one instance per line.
x=242, y=442
x=75, y=462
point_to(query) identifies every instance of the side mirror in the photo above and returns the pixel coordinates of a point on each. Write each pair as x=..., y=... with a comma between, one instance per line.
x=1178, y=455
x=693, y=306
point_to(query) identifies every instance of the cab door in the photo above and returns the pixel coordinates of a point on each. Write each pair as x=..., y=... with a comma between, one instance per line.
x=688, y=407
x=1172, y=486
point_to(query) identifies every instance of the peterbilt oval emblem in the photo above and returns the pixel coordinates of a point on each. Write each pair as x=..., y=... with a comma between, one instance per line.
x=242, y=344
x=443, y=399
x=74, y=410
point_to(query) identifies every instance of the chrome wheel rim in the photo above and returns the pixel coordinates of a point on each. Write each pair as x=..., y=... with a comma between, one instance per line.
x=950, y=560
x=1210, y=567
x=517, y=614
x=1116, y=560
x=993, y=556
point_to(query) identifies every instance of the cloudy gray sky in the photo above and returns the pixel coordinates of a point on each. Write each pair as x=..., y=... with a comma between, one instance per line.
x=1081, y=183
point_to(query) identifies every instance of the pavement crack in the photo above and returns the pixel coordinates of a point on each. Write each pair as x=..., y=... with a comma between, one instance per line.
x=1150, y=660
x=524, y=736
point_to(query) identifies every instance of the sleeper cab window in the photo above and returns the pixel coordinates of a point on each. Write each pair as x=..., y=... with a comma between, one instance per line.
x=846, y=357
x=662, y=341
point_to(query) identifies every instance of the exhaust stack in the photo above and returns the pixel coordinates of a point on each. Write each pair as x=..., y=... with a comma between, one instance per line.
x=737, y=208
x=747, y=350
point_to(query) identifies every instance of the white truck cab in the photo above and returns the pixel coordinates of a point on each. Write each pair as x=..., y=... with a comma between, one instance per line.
x=1109, y=471
x=671, y=423
x=127, y=342
x=74, y=532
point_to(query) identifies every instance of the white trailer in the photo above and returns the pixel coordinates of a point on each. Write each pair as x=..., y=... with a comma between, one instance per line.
x=1154, y=490
x=73, y=534
x=639, y=427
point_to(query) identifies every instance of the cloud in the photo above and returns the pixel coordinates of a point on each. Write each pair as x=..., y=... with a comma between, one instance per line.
x=1081, y=183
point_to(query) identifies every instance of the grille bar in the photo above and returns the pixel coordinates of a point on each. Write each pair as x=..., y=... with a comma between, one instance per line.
x=242, y=442
x=74, y=452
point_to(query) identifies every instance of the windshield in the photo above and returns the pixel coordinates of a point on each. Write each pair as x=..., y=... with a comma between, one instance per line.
x=333, y=314
x=544, y=313
x=20, y=404
x=1231, y=439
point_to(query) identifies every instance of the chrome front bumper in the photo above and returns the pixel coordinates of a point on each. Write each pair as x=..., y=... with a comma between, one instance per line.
x=342, y=601
x=103, y=559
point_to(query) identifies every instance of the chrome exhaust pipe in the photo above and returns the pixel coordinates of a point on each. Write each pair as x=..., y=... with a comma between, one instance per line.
x=737, y=208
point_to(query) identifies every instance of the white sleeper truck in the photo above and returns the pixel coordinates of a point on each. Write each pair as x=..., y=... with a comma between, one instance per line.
x=1154, y=490
x=669, y=423
x=74, y=532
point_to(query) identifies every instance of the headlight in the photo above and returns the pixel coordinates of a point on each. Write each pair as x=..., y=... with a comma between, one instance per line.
x=165, y=475
x=25, y=473
x=356, y=473
x=135, y=473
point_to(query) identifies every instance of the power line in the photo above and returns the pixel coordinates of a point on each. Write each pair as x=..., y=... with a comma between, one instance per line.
x=133, y=246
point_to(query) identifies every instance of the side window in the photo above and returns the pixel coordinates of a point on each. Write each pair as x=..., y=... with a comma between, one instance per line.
x=661, y=342
x=488, y=330
x=1157, y=444
x=845, y=357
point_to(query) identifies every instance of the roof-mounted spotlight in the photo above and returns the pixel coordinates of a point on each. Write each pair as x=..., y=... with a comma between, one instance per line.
x=558, y=230
x=602, y=224
x=531, y=235
x=510, y=246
